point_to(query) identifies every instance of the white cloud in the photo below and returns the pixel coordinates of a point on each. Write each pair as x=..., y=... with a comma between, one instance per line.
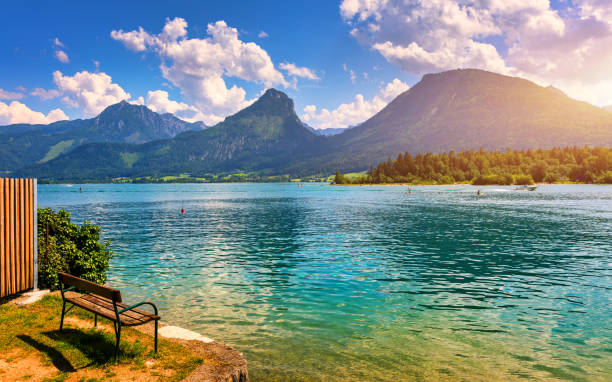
x=92, y=92
x=71, y=103
x=262, y=34
x=393, y=89
x=7, y=95
x=138, y=101
x=134, y=40
x=415, y=59
x=17, y=112
x=365, y=8
x=57, y=42
x=61, y=56
x=297, y=71
x=351, y=73
x=198, y=66
x=45, y=94
x=159, y=102
x=355, y=112
x=569, y=48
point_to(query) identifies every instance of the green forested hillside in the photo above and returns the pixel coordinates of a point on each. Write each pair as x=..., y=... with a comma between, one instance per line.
x=570, y=164
x=22, y=145
x=266, y=135
x=469, y=109
x=457, y=110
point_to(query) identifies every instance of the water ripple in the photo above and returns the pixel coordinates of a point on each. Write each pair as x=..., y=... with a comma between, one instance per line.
x=371, y=283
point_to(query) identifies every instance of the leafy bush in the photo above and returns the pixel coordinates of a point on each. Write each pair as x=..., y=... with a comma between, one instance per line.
x=538, y=171
x=483, y=180
x=523, y=179
x=71, y=248
x=551, y=177
x=340, y=179
x=446, y=179
x=605, y=178
x=570, y=164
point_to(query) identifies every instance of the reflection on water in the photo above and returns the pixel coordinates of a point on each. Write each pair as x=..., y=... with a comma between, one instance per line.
x=371, y=283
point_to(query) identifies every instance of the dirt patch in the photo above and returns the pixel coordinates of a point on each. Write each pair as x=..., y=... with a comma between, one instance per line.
x=28, y=366
x=32, y=348
x=21, y=366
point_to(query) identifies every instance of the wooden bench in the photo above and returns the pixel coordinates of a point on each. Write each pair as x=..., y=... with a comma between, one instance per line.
x=103, y=301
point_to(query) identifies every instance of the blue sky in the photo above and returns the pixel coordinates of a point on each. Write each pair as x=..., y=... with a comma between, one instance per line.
x=340, y=61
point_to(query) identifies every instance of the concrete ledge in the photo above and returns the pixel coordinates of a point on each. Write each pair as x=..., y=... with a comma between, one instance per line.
x=228, y=364
x=182, y=334
x=31, y=297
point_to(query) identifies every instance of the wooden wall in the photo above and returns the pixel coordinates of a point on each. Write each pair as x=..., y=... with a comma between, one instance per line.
x=18, y=231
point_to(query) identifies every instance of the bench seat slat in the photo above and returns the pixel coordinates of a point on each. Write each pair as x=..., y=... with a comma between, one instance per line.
x=108, y=304
x=104, y=308
x=89, y=286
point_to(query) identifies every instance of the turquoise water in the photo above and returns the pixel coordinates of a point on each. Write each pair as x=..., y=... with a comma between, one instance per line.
x=371, y=283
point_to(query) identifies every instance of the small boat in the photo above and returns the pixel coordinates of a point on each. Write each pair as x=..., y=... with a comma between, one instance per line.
x=526, y=188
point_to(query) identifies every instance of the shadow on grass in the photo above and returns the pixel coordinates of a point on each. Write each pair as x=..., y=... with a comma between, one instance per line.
x=98, y=346
x=92, y=344
x=57, y=359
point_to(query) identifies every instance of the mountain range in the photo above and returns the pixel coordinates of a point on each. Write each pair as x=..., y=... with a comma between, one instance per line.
x=25, y=144
x=470, y=109
x=455, y=110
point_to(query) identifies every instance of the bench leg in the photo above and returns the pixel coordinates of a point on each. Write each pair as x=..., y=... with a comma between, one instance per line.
x=95, y=320
x=155, y=336
x=63, y=312
x=118, y=335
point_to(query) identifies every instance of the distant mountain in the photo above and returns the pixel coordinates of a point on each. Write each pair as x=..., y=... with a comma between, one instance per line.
x=332, y=131
x=455, y=110
x=266, y=135
x=24, y=144
x=468, y=109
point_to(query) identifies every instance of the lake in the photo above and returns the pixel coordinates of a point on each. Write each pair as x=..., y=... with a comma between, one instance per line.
x=370, y=283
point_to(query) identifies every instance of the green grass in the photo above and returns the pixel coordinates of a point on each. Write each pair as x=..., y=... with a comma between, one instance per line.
x=350, y=175
x=57, y=149
x=87, y=353
x=129, y=159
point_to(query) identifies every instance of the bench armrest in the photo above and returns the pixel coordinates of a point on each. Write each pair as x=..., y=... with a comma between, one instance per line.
x=137, y=305
x=66, y=290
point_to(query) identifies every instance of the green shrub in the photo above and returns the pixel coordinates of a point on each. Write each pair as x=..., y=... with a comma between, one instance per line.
x=483, y=180
x=523, y=179
x=551, y=177
x=446, y=179
x=605, y=178
x=538, y=171
x=71, y=248
x=340, y=178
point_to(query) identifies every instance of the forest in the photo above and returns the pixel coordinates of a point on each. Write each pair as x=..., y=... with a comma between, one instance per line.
x=557, y=165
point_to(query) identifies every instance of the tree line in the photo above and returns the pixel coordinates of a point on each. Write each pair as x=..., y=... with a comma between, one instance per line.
x=557, y=165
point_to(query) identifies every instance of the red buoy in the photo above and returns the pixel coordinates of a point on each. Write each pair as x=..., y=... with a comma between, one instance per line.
x=183, y=211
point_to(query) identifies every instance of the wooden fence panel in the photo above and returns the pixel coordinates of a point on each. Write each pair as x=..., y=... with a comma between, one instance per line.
x=18, y=258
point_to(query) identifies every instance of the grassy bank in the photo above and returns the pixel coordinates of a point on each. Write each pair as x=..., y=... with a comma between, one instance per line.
x=32, y=348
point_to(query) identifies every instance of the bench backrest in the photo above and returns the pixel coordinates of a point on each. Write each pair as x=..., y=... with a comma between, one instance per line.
x=89, y=287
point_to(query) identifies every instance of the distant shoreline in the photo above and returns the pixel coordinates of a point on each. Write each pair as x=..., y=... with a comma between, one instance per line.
x=325, y=184
x=463, y=184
